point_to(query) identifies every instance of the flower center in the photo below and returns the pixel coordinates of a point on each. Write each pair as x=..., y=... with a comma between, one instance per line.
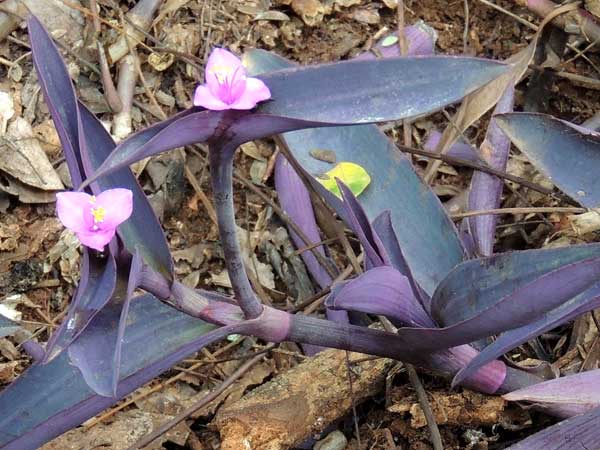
x=98, y=214
x=221, y=73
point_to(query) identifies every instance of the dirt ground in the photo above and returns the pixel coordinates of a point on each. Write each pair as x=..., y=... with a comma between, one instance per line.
x=39, y=261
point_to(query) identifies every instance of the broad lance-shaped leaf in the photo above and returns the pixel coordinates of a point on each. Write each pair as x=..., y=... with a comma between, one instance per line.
x=379, y=90
x=584, y=302
x=7, y=326
x=48, y=400
x=97, y=351
x=96, y=287
x=567, y=154
x=426, y=234
x=486, y=189
x=577, y=433
x=142, y=227
x=76, y=127
x=488, y=279
x=294, y=199
x=59, y=95
x=566, y=396
x=355, y=92
x=382, y=291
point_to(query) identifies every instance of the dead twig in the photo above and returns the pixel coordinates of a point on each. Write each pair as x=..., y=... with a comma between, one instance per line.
x=531, y=210
x=198, y=405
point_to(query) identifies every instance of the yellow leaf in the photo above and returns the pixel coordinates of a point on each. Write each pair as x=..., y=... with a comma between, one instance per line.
x=351, y=174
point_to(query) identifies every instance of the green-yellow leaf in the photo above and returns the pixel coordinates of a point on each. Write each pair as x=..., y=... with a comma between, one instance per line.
x=351, y=174
x=389, y=41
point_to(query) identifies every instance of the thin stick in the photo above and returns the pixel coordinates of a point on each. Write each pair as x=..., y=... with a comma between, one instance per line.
x=530, y=210
x=466, y=30
x=436, y=438
x=197, y=406
x=354, y=415
x=510, y=14
x=478, y=166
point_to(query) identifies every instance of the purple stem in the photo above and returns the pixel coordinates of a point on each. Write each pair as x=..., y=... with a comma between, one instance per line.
x=221, y=173
x=275, y=326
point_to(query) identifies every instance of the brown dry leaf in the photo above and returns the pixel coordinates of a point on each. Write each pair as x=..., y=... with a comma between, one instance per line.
x=367, y=16
x=125, y=430
x=22, y=157
x=272, y=16
x=593, y=6
x=8, y=371
x=7, y=110
x=61, y=20
x=310, y=11
x=168, y=7
x=25, y=193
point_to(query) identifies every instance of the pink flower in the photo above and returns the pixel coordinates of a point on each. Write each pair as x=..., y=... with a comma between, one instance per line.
x=227, y=85
x=94, y=219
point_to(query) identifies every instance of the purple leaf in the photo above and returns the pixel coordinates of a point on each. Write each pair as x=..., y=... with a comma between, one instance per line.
x=382, y=225
x=486, y=189
x=48, y=400
x=7, y=327
x=359, y=223
x=295, y=201
x=567, y=396
x=77, y=127
x=569, y=155
x=383, y=291
x=577, y=433
x=488, y=279
x=97, y=351
x=59, y=94
x=143, y=226
x=426, y=235
x=459, y=149
x=584, y=302
x=96, y=287
x=358, y=92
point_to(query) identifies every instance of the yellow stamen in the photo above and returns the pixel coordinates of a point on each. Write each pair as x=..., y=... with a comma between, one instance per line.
x=93, y=199
x=98, y=214
x=221, y=72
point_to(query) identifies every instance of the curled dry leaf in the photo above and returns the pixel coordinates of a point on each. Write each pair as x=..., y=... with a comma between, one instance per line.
x=23, y=158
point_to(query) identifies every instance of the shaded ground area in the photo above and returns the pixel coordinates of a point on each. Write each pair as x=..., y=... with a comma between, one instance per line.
x=39, y=260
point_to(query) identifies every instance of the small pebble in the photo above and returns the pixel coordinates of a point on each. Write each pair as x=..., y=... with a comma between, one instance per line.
x=333, y=441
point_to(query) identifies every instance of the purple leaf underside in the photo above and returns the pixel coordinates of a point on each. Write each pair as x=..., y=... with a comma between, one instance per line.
x=486, y=189
x=294, y=199
x=576, y=433
x=97, y=351
x=584, y=302
x=96, y=287
x=567, y=396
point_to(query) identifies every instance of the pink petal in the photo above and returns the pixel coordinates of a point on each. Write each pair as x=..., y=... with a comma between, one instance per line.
x=204, y=97
x=118, y=204
x=220, y=57
x=71, y=207
x=256, y=91
x=96, y=239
